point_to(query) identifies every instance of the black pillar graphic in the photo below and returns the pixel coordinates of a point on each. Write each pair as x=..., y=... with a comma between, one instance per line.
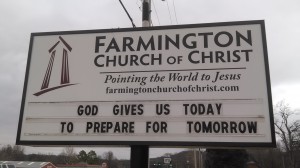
x=65, y=68
x=48, y=72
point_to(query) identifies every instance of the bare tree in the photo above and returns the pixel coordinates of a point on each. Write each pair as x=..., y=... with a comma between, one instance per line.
x=109, y=156
x=287, y=128
x=9, y=152
x=69, y=155
x=111, y=160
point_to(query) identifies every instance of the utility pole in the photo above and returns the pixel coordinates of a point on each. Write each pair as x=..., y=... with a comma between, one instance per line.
x=146, y=13
x=139, y=154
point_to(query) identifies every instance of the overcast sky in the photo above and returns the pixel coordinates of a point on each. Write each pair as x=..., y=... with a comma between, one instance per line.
x=18, y=18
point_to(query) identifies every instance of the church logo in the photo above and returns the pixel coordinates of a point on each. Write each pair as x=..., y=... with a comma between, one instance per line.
x=64, y=76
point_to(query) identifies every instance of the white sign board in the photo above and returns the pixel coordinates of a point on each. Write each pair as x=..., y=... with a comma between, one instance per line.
x=167, y=160
x=204, y=84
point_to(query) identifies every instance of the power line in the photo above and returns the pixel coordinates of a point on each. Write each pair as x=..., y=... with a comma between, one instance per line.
x=156, y=12
x=133, y=25
x=175, y=11
x=169, y=12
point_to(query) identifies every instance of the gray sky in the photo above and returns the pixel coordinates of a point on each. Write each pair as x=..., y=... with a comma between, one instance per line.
x=18, y=18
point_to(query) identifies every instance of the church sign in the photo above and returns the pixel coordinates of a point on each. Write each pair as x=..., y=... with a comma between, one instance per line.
x=185, y=85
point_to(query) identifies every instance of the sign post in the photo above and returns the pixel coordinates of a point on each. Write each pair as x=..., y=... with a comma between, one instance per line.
x=186, y=85
x=139, y=154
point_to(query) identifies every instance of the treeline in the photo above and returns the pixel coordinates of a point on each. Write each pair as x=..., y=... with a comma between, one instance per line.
x=67, y=156
x=241, y=158
x=262, y=158
x=16, y=153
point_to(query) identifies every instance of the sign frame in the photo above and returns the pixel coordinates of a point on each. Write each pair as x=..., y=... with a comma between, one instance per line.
x=152, y=143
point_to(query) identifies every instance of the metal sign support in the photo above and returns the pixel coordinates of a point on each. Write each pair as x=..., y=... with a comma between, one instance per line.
x=139, y=156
